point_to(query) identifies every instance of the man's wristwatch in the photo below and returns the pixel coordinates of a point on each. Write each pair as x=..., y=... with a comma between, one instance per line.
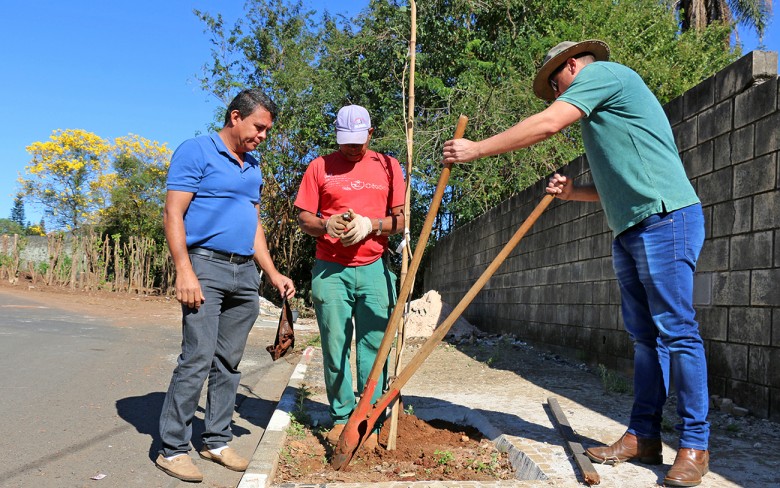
x=379, y=230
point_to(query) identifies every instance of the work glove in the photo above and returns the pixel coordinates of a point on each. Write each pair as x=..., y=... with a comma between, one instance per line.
x=335, y=225
x=357, y=229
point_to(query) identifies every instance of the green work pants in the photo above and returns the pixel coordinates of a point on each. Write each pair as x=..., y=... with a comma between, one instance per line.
x=341, y=294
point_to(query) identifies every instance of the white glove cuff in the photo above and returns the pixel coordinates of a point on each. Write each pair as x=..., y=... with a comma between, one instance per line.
x=365, y=224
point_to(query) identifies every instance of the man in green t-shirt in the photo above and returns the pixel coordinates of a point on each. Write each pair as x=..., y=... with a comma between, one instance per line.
x=658, y=228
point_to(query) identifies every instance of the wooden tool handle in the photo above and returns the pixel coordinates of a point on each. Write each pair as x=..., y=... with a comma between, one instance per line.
x=438, y=334
x=406, y=286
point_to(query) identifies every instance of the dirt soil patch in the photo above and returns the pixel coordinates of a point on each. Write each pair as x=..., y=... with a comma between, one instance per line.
x=426, y=451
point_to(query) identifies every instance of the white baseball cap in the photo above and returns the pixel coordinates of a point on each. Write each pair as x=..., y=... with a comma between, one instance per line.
x=352, y=125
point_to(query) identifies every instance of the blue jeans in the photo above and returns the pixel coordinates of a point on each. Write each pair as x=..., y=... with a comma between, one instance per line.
x=213, y=341
x=654, y=262
x=341, y=294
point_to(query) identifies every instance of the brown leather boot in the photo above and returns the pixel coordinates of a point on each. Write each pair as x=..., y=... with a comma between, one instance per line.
x=628, y=448
x=688, y=468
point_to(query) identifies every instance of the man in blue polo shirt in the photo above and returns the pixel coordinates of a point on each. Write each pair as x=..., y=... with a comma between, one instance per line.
x=658, y=225
x=215, y=236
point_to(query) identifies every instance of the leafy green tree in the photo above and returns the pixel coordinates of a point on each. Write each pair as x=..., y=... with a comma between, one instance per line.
x=8, y=226
x=645, y=36
x=473, y=57
x=137, y=186
x=17, y=211
x=479, y=58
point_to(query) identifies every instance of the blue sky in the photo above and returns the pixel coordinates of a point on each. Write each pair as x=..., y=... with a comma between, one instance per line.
x=115, y=68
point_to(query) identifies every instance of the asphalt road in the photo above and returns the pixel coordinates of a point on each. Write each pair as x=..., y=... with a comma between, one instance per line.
x=80, y=398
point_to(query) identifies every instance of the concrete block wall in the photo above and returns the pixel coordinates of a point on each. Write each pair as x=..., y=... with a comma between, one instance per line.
x=558, y=288
x=36, y=249
x=33, y=249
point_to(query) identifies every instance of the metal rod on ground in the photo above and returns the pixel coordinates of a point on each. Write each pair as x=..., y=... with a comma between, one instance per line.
x=574, y=447
x=401, y=334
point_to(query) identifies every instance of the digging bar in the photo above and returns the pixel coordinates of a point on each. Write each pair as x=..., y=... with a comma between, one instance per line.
x=366, y=415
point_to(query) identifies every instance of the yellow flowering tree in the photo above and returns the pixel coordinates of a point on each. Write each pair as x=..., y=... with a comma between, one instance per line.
x=137, y=186
x=66, y=176
x=37, y=230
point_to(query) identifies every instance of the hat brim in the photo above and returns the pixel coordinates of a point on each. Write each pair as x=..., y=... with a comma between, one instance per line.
x=346, y=137
x=542, y=88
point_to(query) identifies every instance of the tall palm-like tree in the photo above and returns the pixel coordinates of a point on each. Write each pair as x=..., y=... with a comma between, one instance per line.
x=697, y=14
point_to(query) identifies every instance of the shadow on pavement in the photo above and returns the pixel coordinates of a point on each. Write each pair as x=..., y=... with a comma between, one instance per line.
x=143, y=413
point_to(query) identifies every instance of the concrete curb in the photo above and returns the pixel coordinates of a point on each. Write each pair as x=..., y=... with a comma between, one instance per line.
x=262, y=466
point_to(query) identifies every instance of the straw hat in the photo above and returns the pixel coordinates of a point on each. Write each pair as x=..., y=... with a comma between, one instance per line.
x=556, y=57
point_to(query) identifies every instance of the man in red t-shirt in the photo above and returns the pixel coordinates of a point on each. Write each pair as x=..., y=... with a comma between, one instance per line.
x=350, y=280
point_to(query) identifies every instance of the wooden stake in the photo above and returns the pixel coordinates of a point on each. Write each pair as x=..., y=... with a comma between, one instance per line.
x=401, y=334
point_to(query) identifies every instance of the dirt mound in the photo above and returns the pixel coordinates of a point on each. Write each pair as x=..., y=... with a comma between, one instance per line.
x=426, y=451
x=428, y=312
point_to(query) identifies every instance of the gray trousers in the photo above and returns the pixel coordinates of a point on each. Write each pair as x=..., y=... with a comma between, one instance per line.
x=213, y=341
